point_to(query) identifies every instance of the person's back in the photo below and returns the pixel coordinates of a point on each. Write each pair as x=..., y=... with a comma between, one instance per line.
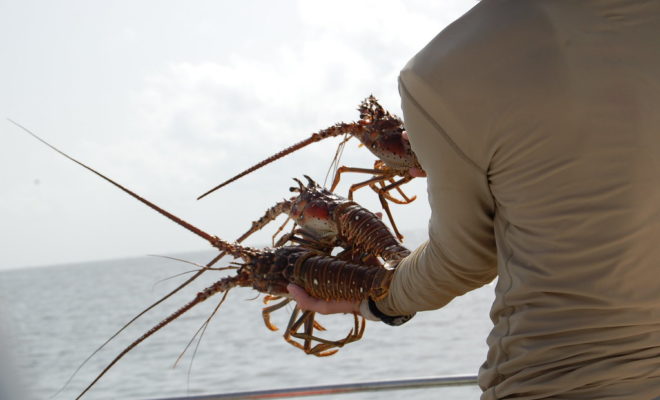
x=555, y=106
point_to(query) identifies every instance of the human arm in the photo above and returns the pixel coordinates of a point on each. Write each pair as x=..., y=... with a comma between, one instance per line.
x=460, y=253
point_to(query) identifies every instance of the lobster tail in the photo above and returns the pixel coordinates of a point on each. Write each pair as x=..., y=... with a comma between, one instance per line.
x=329, y=278
x=366, y=231
x=335, y=130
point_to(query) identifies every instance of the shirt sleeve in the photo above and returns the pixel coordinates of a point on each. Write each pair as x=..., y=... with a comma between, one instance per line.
x=460, y=254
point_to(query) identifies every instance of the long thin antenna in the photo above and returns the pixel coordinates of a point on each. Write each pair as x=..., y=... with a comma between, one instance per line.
x=233, y=249
x=126, y=325
x=223, y=285
x=335, y=130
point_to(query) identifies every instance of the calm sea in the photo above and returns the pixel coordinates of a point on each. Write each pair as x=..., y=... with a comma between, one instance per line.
x=52, y=318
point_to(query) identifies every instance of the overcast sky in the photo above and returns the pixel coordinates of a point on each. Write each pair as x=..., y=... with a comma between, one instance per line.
x=170, y=98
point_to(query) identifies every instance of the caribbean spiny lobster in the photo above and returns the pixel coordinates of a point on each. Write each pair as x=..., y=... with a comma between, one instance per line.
x=381, y=133
x=328, y=221
x=271, y=270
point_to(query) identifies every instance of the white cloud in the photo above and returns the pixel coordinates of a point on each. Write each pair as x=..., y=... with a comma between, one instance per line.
x=204, y=121
x=174, y=117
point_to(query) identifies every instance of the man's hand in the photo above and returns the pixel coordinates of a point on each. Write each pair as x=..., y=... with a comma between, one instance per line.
x=309, y=303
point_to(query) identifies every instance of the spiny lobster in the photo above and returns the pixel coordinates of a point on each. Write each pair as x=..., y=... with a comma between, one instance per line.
x=325, y=221
x=270, y=271
x=328, y=221
x=381, y=133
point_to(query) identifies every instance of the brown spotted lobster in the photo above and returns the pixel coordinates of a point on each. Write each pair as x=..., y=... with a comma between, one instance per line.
x=381, y=133
x=328, y=221
x=270, y=270
x=307, y=264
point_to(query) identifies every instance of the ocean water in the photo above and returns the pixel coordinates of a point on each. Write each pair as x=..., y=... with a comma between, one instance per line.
x=52, y=318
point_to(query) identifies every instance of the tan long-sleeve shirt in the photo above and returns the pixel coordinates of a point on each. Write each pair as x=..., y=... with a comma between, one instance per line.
x=538, y=124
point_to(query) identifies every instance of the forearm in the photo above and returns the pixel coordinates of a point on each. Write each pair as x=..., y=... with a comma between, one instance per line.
x=428, y=280
x=460, y=254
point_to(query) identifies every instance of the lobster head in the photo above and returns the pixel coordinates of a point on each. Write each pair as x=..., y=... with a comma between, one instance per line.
x=313, y=208
x=266, y=274
x=382, y=134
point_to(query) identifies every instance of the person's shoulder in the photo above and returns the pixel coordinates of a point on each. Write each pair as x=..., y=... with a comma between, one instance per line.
x=463, y=79
x=481, y=36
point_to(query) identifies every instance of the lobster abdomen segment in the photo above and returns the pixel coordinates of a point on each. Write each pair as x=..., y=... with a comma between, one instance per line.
x=363, y=228
x=329, y=278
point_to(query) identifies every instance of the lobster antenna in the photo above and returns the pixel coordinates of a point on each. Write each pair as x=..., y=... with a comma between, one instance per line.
x=205, y=325
x=170, y=294
x=334, y=165
x=126, y=325
x=201, y=329
x=233, y=249
x=222, y=285
x=200, y=268
x=179, y=260
x=282, y=207
x=335, y=130
x=181, y=274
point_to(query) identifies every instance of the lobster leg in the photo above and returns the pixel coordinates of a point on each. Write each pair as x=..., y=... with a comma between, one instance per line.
x=381, y=187
x=276, y=243
x=269, y=297
x=305, y=241
x=265, y=313
x=285, y=238
x=309, y=323
x=307, y=319
x=377, y=178
x=385, y=189
x=294, y=323
x=268, y=310
x=386, y=207
x=343, y=169
x=380, y=193
x=354, y=335
x=407, y=199
x=323, y=348
x=309, y=331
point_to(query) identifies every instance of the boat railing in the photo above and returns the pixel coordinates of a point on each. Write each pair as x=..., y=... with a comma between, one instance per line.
x=413, y=383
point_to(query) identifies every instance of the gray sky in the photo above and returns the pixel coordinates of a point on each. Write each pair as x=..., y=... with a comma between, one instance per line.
x=171, y=98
